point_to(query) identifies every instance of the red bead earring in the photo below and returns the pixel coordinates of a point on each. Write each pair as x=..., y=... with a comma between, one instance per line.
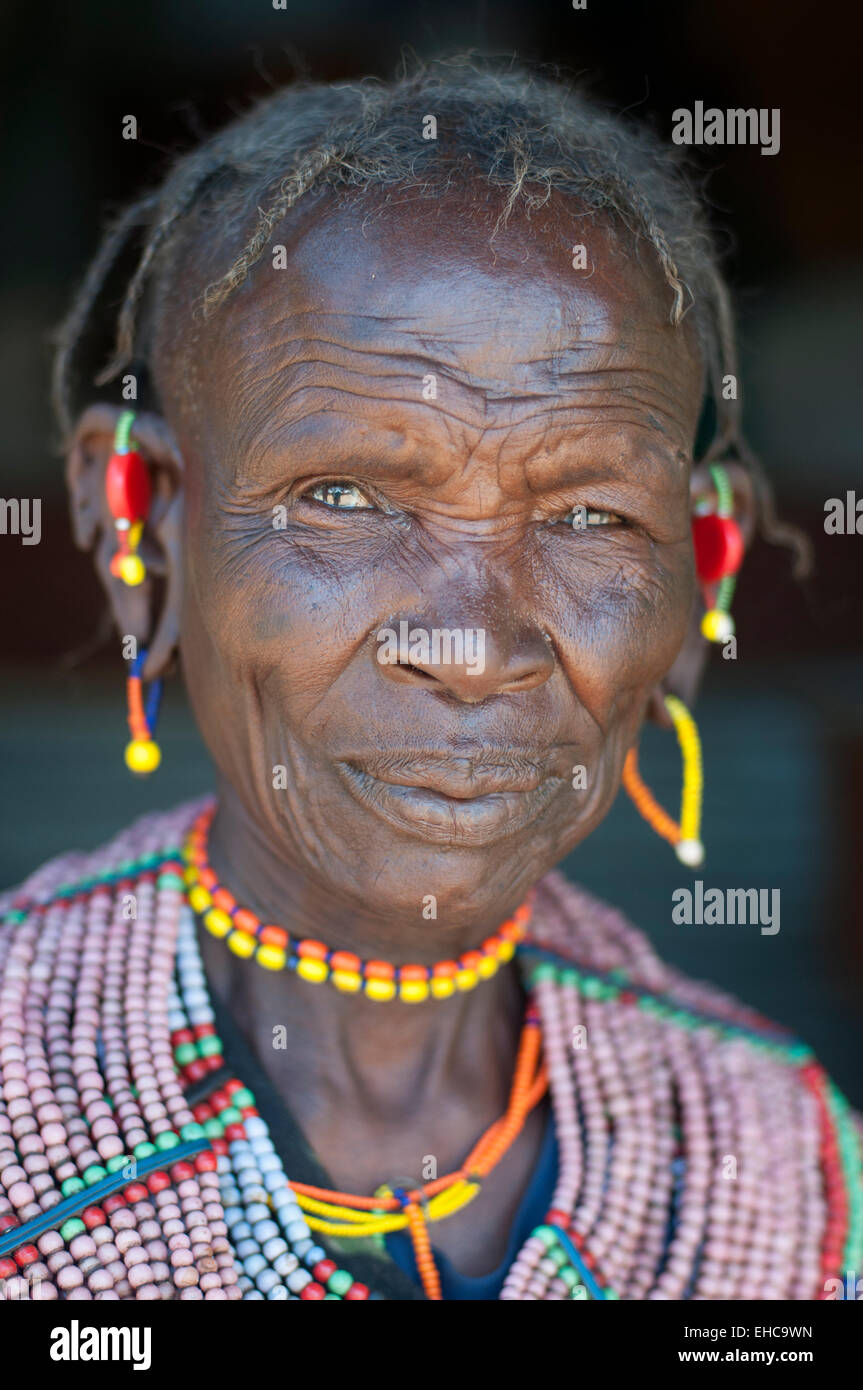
x=718, y=543
x=127, y=485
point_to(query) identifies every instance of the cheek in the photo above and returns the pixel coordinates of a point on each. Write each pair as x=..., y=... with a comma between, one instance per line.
x=620, y=610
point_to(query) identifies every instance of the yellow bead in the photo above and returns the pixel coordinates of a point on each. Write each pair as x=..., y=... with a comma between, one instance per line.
x=717, y=626
x=442, y=987
x=506, y=950
x=217, y=923
x=380, y=989
x=487, y=967
x=200, y=898
x=348, y=981
x=143, y=755
x=314, y=970
x=190, y=875
x=466, y=979
x=132, y=570
x=239, y=941
x=414, y=991
x=271, y=957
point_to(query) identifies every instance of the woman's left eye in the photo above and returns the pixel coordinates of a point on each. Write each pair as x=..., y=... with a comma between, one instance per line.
x=579, y=518
x=343, y=495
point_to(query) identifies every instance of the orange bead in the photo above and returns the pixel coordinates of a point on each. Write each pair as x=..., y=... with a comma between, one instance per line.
x=470, y=960
x=273, y=936
x=445, y=969
x=312, y=950
x=223, y=900
x=379, y=970
x=345, y=960
x=244, y=920
x=413, y=972
x=208, y=879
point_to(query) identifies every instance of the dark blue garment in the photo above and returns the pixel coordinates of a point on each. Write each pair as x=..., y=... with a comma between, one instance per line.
x=531, y=1212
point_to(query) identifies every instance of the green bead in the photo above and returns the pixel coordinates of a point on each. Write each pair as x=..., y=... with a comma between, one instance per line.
x=570, y=978
x=184, y=1053
x=72, y=1186
x=73, y=1227
x=340, y=1281
x=170, y=880
x=547, y=1235
x=331, y=1298
x=15, y=916
x=230, y=1116
x=191, y=1131
x=145, y=1149
x=559, y=1256
x=612, y=1294
x=167, y=1140
x=210, y=1046
x=213, y=1128
x=95, y=1173
x=591, y=988
x=243, y=1097
x=569, y=1276
x=541, y=973
x=117, y=1162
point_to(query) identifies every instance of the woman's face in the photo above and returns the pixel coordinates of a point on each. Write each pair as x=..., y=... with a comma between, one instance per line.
x=398, y=428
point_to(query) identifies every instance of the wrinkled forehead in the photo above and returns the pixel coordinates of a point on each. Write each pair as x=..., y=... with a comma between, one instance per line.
x=385, y=288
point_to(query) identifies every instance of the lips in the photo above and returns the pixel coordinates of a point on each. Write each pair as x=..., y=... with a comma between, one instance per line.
x=456, y=801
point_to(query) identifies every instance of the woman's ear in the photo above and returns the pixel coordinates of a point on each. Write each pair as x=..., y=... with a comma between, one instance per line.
x=684, y=678
x=149, y=611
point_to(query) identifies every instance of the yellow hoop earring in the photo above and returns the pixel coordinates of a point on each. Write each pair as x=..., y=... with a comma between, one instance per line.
x=685, y=837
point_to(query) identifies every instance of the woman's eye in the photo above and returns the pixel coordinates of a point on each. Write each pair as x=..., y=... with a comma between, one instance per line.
x=343, y=495
x=579, y=518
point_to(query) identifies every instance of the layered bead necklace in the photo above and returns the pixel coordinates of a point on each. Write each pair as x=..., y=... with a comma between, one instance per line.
x=702, y=1153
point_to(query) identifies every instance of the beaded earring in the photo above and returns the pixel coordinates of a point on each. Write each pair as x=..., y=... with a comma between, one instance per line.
x=718, y=543
x=127, y=485
x=685, y=837
x=142, y=753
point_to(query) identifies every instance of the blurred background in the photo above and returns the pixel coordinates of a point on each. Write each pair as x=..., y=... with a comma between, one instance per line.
x=782, y=726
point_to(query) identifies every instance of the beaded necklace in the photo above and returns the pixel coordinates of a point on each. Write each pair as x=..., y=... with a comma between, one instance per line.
x=703, y=1154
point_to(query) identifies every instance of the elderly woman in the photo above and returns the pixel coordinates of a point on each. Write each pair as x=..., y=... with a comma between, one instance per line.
x=402, y=466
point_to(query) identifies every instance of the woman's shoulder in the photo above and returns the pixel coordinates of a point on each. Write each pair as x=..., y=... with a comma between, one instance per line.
x=137, y=847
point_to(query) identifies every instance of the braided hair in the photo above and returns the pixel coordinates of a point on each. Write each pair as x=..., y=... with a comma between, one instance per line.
x=524, y=133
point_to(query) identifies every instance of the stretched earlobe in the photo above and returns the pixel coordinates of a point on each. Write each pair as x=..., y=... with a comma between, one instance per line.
x=128, y=514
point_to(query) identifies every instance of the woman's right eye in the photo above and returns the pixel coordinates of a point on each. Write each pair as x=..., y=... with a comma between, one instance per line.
x=341, y=495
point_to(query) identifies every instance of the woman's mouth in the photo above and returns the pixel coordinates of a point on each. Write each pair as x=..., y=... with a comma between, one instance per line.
x=450, y=803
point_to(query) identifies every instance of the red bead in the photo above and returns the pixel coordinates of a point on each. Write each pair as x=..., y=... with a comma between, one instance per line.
x=214, y=1063
x=127, y=486
x=7, y=1269
x=207, y=1162
x=718, y=543
x=219, y=1147
x=313, y=1291
x=135, y=1192
x=202, y=1112
x=7, y=1222
x=248, y=1112
x=26, y=1255
x=182, y=1035
x=231, y=1087
x=233, y=1132
x=204, y=1030
x=115, y=1202
x=182, y=1172
x=323, y=1270
x=219, y=1100
x=93, y=1217
x=357, y=1291
x=195, y=1071
x=157, y=1182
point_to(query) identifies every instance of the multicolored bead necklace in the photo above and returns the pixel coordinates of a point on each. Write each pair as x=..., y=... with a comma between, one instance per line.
x=702, y=1152
x=273, y=947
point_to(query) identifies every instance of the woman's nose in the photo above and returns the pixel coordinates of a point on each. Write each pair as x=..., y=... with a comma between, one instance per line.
x=469, y=664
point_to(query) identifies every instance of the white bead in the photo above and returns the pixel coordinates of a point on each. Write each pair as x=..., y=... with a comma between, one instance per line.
x=690, y=853
x=297, y=1281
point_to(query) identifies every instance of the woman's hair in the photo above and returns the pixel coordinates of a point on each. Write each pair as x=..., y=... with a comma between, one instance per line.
x=521, y=133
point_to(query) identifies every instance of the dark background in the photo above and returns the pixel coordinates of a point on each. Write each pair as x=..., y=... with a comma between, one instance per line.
x=782, y=726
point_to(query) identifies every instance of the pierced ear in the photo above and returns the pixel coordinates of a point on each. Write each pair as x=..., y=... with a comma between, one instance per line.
x=150, y=611
x=685, y=675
